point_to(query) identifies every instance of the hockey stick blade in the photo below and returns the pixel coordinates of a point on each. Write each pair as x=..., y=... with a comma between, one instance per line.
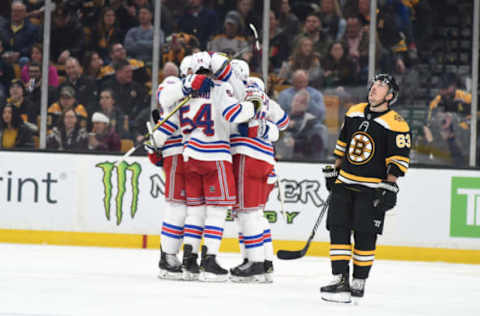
x=295, y=254
x=255, y=34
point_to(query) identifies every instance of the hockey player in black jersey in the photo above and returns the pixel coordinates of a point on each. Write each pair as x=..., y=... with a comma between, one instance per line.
x=372, y=151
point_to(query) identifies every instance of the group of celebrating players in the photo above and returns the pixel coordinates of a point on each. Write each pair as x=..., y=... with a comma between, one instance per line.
x=217, y=153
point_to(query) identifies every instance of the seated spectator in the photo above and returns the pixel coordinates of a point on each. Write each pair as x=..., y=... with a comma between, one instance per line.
x=18, y=35
x=118, y=54
x=67, y=37
x=178, y=46
x=103, y=136
x=6, y=75
x=287, y=21
x=230, y=41
x=68, y=135
x=249, y=15
x=36, y=57
x=305, y=137
x=139, y=40
x=449, y=115
x=279, y=44
x=65, y=102
x=339, y=69
x=169, y=69
x=303, y=57
x=92, y=65
x=313, y=30
x=107, y=33
x=131, y=96
x=118, y=120
x=85, y=89
x=34, y=89
x=332, y=21
x=23, y=105
x=13, y=132
x=300, y=81
x=199, y=21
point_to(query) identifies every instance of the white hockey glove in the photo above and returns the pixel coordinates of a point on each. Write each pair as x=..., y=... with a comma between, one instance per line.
x=255, y=95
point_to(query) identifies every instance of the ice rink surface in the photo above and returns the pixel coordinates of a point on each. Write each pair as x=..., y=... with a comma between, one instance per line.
x=39, y=280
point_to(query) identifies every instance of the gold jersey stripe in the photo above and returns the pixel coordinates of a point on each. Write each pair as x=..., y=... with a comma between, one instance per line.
x=338, y=258
x=397, y=157
x=364, y=252
x=339, y=142
x=340, y=246
x=362, y=264
x=353, y=177
x=339, y=153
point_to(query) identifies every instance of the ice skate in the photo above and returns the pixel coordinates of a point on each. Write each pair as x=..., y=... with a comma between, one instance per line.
x=170, y=267
x=210, y=270
x=245, y=260
x=191, y=270
x=338, y=290
x=249, y=272
x=357, y=290
x=268, y=271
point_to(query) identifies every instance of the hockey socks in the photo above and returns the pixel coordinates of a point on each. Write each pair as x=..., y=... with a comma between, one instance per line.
x=172, y=228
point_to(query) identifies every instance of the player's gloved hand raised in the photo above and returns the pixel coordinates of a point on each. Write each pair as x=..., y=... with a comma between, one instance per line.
x=197, y=83
x=386, y=196
x=254, y=95
x=330, y=174
x=154, y=156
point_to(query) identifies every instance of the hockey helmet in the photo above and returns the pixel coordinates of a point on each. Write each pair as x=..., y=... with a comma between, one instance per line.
x=241, y=69
x=256, y=81
x=392, y=84
x=200, y=60
x=186, y=66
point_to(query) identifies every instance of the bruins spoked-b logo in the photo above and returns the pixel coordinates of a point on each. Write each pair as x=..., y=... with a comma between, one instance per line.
x=121, y=187
x=361, y=148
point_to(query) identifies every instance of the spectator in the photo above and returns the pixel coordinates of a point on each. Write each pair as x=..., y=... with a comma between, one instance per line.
x=118, y=120
x=279, y=44
x=119, y=54
x=300, y=81
x=288, y=22
x=130, y=94
x=67, y=37
x=19, y=35
x=65, y=102
x=139, y=40
x=36, y=56
x=23, y=105
x=339, y=69
x=34, y=89
x=107, y=32
x=125, y=14
x=303, y=57
x=199, y=21
x=449, y=115
x=248, y=14
x=178, y=46
x=103, y=137
x=13, y=132
x=169, y=69
x=231, y=42
x=332, y=21
x=6, y=75
x=85, y=89
x=68, y=135
x=92, y=65
x=313, y=29
x=305, y=137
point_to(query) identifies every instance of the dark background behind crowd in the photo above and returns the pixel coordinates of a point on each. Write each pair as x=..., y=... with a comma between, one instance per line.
x=99, y=74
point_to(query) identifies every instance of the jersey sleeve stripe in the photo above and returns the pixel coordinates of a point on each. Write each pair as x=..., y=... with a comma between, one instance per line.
x=338, y=153
x=232, y=111
x=283, y=122
x=224, y=73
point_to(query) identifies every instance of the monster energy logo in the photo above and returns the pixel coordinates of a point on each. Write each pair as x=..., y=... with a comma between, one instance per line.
x=108, y=169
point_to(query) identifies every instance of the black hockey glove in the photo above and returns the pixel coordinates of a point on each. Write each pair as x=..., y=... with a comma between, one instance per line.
x=330, y=174
x=386, y=196
x=156, y=116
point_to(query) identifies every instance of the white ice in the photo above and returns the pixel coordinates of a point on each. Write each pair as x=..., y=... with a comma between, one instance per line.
x=40, y=280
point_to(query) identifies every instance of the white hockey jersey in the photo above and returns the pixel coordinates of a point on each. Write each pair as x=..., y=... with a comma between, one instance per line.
x=205, y=122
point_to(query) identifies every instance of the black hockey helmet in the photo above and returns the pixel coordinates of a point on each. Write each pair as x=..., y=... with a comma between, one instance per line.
x=390, y=80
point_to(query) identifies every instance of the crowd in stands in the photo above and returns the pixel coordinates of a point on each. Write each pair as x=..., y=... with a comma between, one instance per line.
x=99, y=75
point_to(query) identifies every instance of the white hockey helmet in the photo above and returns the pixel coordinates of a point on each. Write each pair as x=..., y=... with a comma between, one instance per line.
x=200, y=60
x=169, y=92
x=186, y=66
x=256, y=81
x=241, y=69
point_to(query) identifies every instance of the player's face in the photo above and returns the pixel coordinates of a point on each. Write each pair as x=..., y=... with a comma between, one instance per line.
x=378, y=93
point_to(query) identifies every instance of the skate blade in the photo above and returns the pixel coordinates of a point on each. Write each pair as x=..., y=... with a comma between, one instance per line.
x=250, y=279
x=356, y=300
x=211, y=277
x=189, y=276
x=343, y=297
x=168, y=275
x=268, y=277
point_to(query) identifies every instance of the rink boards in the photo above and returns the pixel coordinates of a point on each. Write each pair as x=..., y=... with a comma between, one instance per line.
x=71, y=199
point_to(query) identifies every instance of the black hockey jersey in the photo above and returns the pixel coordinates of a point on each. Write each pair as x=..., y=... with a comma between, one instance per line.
x=372, y=144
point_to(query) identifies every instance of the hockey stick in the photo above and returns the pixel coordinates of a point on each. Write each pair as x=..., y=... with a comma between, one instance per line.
x=133, y=149
x=295, y=254
x=255, y=34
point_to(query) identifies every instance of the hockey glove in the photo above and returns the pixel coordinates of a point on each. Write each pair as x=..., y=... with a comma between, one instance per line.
x=386, y=196
x=330, y=174
x=254, y=95
x=154, y=156
x=156, y=116
x=243, y=129
x=197, y=83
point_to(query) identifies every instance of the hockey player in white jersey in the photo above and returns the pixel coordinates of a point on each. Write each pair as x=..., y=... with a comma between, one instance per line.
x=210, y=187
